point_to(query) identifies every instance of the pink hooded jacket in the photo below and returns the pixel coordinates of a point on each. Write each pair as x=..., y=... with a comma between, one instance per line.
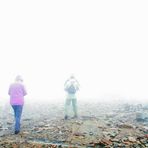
x=17, y=92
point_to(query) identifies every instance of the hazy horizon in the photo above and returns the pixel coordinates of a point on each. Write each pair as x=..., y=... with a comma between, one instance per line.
x=103, y=43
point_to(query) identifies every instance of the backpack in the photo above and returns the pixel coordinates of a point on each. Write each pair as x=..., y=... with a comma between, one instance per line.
x=71, y=89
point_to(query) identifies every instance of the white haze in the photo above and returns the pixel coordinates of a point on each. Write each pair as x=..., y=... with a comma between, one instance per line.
x=103, y=43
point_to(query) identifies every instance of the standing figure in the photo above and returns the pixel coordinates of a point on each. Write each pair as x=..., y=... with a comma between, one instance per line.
x=71, y=86
x=17, y=92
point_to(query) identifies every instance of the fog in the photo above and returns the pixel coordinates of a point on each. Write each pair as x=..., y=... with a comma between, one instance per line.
x=103, y=43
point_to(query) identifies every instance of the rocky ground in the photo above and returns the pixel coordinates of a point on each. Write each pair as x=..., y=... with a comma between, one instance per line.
x=98, y=125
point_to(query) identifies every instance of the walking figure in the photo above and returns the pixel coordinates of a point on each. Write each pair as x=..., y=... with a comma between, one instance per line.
x=17, y=92
x=71, y=86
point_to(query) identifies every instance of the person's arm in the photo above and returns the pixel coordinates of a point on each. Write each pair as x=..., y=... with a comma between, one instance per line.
x=65, y=84
x=77, y=84
x=77, y=87
x=24, y=91
x=9, y=91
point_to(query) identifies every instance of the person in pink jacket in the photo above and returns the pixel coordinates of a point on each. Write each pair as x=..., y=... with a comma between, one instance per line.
x=17, y=92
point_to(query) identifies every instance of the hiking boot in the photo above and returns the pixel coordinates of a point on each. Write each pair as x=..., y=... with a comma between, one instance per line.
x=75, y=116
x=16, y=132
x=66, y=117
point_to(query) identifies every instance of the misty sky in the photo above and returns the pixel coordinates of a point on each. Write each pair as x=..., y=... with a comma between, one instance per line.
x=104, y=43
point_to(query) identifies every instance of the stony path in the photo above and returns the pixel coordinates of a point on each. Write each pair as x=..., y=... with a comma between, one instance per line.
x=116, y=128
